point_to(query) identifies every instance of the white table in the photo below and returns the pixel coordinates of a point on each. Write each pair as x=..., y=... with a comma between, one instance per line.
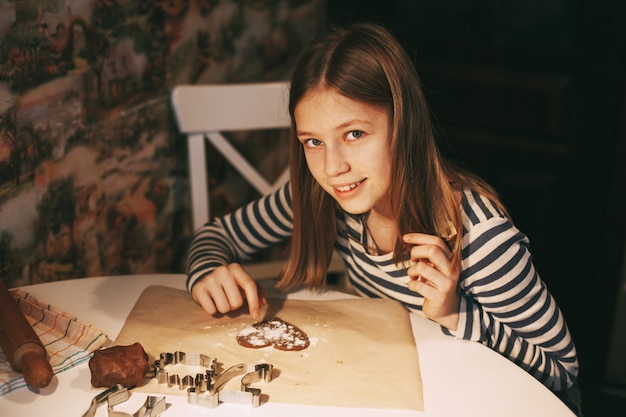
x=460, y=378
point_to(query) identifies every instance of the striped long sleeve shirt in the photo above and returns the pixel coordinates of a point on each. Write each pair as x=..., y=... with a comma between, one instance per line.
x=504, y=303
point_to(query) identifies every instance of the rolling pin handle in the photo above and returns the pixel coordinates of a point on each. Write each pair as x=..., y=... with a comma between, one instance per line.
x=36, y=369
x=20, y=344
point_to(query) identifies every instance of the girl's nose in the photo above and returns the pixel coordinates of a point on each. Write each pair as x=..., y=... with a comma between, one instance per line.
x=335, y=162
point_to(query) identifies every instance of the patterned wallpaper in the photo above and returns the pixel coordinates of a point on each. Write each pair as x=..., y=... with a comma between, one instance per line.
x=93, y=177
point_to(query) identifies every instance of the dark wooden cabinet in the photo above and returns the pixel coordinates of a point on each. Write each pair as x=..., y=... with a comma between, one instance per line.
x=530, y=95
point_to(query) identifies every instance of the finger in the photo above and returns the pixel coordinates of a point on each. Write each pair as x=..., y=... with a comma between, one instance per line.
x=431, y=276
x=227, y=298
x=431, y=257
x=424, y=272
x=203, y=299
x=423, y=239
x=434, y=256
x=435, y=291
x=251, y=292
x=432, y=296
x=246, y=288
x=222, y=289
x=422, y=287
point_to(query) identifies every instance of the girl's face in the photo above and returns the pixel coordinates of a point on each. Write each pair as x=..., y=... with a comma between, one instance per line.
x=347, y=148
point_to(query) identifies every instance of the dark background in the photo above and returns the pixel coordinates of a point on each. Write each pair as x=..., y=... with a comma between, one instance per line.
x=530, y=94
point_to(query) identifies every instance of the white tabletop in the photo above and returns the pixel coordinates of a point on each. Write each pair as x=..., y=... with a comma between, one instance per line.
x=460, y=378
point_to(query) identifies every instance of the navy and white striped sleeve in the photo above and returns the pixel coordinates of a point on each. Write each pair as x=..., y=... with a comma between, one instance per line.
x=238, y=235
x=504, y=302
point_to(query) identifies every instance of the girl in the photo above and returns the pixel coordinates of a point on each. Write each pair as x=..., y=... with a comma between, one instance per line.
x=367, y=178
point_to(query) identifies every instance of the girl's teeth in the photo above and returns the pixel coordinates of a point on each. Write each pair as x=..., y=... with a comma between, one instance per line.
x=347, y=187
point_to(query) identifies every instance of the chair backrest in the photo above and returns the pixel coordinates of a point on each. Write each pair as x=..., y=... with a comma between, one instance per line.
x=204, y=111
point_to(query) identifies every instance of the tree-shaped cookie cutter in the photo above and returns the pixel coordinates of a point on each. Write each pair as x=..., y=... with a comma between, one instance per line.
x=186, y=381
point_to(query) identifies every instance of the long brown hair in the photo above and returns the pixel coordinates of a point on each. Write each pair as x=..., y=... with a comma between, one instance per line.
x=364, y=62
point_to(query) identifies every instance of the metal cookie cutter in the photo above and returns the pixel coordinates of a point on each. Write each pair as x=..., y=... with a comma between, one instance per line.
x=248, y=395
x=117, y=394
x=186, y=381
x=152, y=407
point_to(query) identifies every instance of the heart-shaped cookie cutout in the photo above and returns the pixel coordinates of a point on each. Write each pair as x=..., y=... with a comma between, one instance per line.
x=274, y=332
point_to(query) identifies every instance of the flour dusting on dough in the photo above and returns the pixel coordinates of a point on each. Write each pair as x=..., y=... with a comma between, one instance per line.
x=274, y=332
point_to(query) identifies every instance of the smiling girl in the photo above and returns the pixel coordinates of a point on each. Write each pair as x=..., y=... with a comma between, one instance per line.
x=368, y=180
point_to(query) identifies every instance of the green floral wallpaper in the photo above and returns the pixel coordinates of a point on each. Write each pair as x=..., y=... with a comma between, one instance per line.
x=93, y=177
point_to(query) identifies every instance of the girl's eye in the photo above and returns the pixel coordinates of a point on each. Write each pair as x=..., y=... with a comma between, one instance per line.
x=312, y=143
x=355, y=134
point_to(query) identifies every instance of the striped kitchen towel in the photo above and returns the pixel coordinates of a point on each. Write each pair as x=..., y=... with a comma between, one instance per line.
x=67, y=340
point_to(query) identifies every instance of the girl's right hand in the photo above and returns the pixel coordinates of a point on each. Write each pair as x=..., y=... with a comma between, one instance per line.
x=226, y=289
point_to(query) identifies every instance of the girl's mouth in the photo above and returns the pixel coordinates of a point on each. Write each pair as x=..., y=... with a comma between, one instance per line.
x=346, y=188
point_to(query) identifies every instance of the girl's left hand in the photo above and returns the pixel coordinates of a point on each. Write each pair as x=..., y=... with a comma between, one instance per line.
x=435, y=277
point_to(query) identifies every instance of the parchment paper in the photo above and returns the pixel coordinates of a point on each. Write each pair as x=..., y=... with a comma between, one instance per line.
x=362, y=352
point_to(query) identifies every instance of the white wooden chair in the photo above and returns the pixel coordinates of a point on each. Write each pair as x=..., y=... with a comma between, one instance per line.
x=203, y=112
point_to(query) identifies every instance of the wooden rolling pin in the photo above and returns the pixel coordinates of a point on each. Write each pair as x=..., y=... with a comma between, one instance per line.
x=20, y=344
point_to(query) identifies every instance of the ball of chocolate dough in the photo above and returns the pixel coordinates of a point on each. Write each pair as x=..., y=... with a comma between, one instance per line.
x=125, y=365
